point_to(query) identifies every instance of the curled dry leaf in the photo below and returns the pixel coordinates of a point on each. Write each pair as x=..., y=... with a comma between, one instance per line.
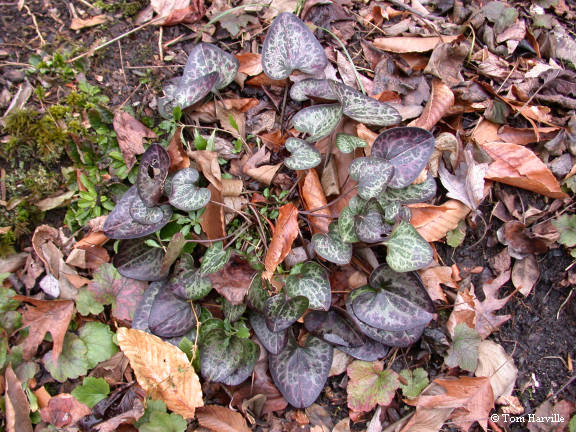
x=130, y=134
x=162, y=370
x=17, y=409
x=79, y=23
x=208, y=164
x=313, y=196
x=519, y=166
x=433, y=222
x=233, y=281
x=178, y=157
x=410, y=44
x=434, y=276
x=285, y=233
x=525, y=274
x=221, y=419
x=440, y=101
x=212, y=220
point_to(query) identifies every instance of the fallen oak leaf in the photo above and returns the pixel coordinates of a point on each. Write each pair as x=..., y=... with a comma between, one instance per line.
x=285, y=233
x=221, y=419
x=130, y=134
x=494, y=363
x=313, y=196
x=440, y=101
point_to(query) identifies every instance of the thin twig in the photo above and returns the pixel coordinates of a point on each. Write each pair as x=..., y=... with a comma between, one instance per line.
x=414, y=11
x=42, y=40
x=122, y=63
x=283, y=111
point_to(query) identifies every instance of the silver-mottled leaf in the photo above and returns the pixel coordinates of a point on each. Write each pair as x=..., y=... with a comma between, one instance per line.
x=407, y=250
x=413, y=193
x=145, y=215
x=346, y=225
x=142, y=312
x=317, y=120
x=206, y=58
x=185, y=195
x=311, y=282
x=215, y=258
x=370, y=226
x=312, y=88
x=370, y=351
x=258, y=293
x=190, y=285
x=304, y=156
x=250, y=355
x=232, y=312
x=138, y=261
x=372, y=175
x=274, y=342
x=334, y=327
x=331, y=247
x=191, y=91
x=348, y=143
x=220, y=355
x=282, y=312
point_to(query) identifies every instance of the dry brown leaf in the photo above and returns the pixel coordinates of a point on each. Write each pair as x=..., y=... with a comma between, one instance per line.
x=225, y=114
x=96, y=238
x=486, y=319
x=427, y=419
x=221, y=419
x=233, y=281
x=250, y=63
x=63, y=410
x=208, y=164
x=409, y=44
x=89, y=258
x=518, y=166
x=494, y=363
x=562, y=409
x=329, y=179
x=485, y=132
x=464, y=312
x=79, y=23
x=285, y=233
x=130, y=134
x=525, y=274
x=13, y=262
x=212, y=220
x=257, y=168
x=523, y=136
x=171, y=12
x=17, y=409
x=440, y=101
x=263, y=80
x=54, y=201
x=313, y=197
x=178, y=157
x=45, y=316
x=446, y=62
x=433, y=222
x=434, y=276
x=162, y=370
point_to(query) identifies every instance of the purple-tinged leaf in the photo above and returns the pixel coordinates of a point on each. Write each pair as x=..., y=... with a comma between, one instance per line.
x=334, y=327
x=184, y=194
x=317, y=120
x=311, y=282
x=205, y=59
x=348, y=143
x=300, y=372
x=304, y=156
x=372, y=174
x=395, y=212
x=364, y=109
x=408, y=149
x=407, y=249
x=370, y=226
x=290, y=45
x=142, y=313
x=138, y=261
x=370, y=351
x=220, y=355
x=250, y=355
x=282, y=312
x=274, y=342
x=312, y=88
x=191, y=91
x=152, y=173
x=169, y=315
x=146, y=215
x=412, y=193
x=331, y=247
x=190, y=285
x=258, y=293
x=120, y=224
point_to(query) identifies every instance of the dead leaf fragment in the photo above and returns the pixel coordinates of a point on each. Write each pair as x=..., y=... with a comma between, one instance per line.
x=250, y=63
x=313, y=196
x=433, y=222
x=63, y=410
x=525, y=274
x=221, y=419
x=440, y=101
x=208, y=164
x=17, y=408
x=409, y=44
x=178, y=157
x=130, y=134
x=79, y=23
x=233, y=281
x=285, y=233
x=162, y=370
x=494, y=363
x=212, y=220
x=434, y=276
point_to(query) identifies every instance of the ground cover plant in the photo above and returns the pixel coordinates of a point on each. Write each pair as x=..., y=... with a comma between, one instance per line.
x=321, y=220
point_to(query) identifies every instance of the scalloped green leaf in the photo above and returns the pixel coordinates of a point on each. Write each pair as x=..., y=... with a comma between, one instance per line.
x=220, y=355
x=370, y=351
x=138, y=261
x=300, y=372
x=215, y=258
x=120, y=225
x=311, y=282
x=370, y=385
x=370, y=226
x=290, y=45
x=303, y=155
x=372, y=175
x=257, y=293
x=407, y=250
x=317, y=121
x=273, y=342
x=312, y=88
x=282, y=312
x=250, y=355
x=335, y=327
x=364, y=109
x=408, y=149
x=185, y=195
x=412, y=193
x=72, y=362
x=152, y=174
x=170, y=316
x=206, y=58
x=232, y=312
x=348, y=143
x=190, y=285
x=142, y=312
x=416, y=381
x=464, y=349
x=331, y=247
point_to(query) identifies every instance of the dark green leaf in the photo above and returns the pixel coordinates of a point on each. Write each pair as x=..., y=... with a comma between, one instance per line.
x=232, y=312
x=317, y=121
x=407, y=250
x=185, y=195
x=99, y=341
x=152, y=174
x=92, y=391
x=257, y=293
x=464, y=349
x=413, y=193
x=215, y=258
x=281, y=312
x=250, y=355
x=311, y=282
x=220, y=355
x=304, y=156
x=191, y=285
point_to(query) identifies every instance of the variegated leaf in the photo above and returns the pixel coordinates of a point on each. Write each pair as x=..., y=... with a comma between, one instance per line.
x=311, y=282
x=220, y=355
x=312, y=88
x=257, y=293
x=370, y=351
x=290, y=45
x=185, y=195
x=396, y=212
x=304, y=156
x=191, y=91
x=250, y=355
x=370, y=226
x=282, y=312
x=167, y=103
x=331, y=247
x=372, y=175
x=232, y=312
x=169, y=315
x=413, y=193
x=317, y=120
x=145, y=215
x=206, y=58
x=215, y=258
x=138, y=261
x=152, y=173
x=346, y=225
x=407, y=250
x=348, y=143
x=120, y=225
x=190, y=285
x=300, y=372
x=334, y=327
x=364, y=109
x=142, y=312
x=274, y=342
x=408, y=149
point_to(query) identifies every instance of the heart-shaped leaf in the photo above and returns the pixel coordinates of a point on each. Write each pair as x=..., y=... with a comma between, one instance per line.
x=290, y=45
x=232, y=312
x=311, y=282
x=408, y=149
x=348, y=143
x=370, y=351
x=190, y=285
x=304, y=156
x=215, y=258
x=190, y=91
x=257, y=293
x=207, y=58
x=364, y=109
x=413, y=193
x=372, y=175
x=169, y=315
x=281, y=312
x=317, y=120
x=370, y=226
x=331, y=247
x=334, y=327
x=145, y=215
x=138, y=261
x=300, y=372
x=185, y=195
x=142, y=312
x=407, y=250
x=347, y=220
x=274, y=342
x=396, y=212
x=312, y=88
x=152, y=173
x=250, y=355
x=220, y=355
x=120, y=224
